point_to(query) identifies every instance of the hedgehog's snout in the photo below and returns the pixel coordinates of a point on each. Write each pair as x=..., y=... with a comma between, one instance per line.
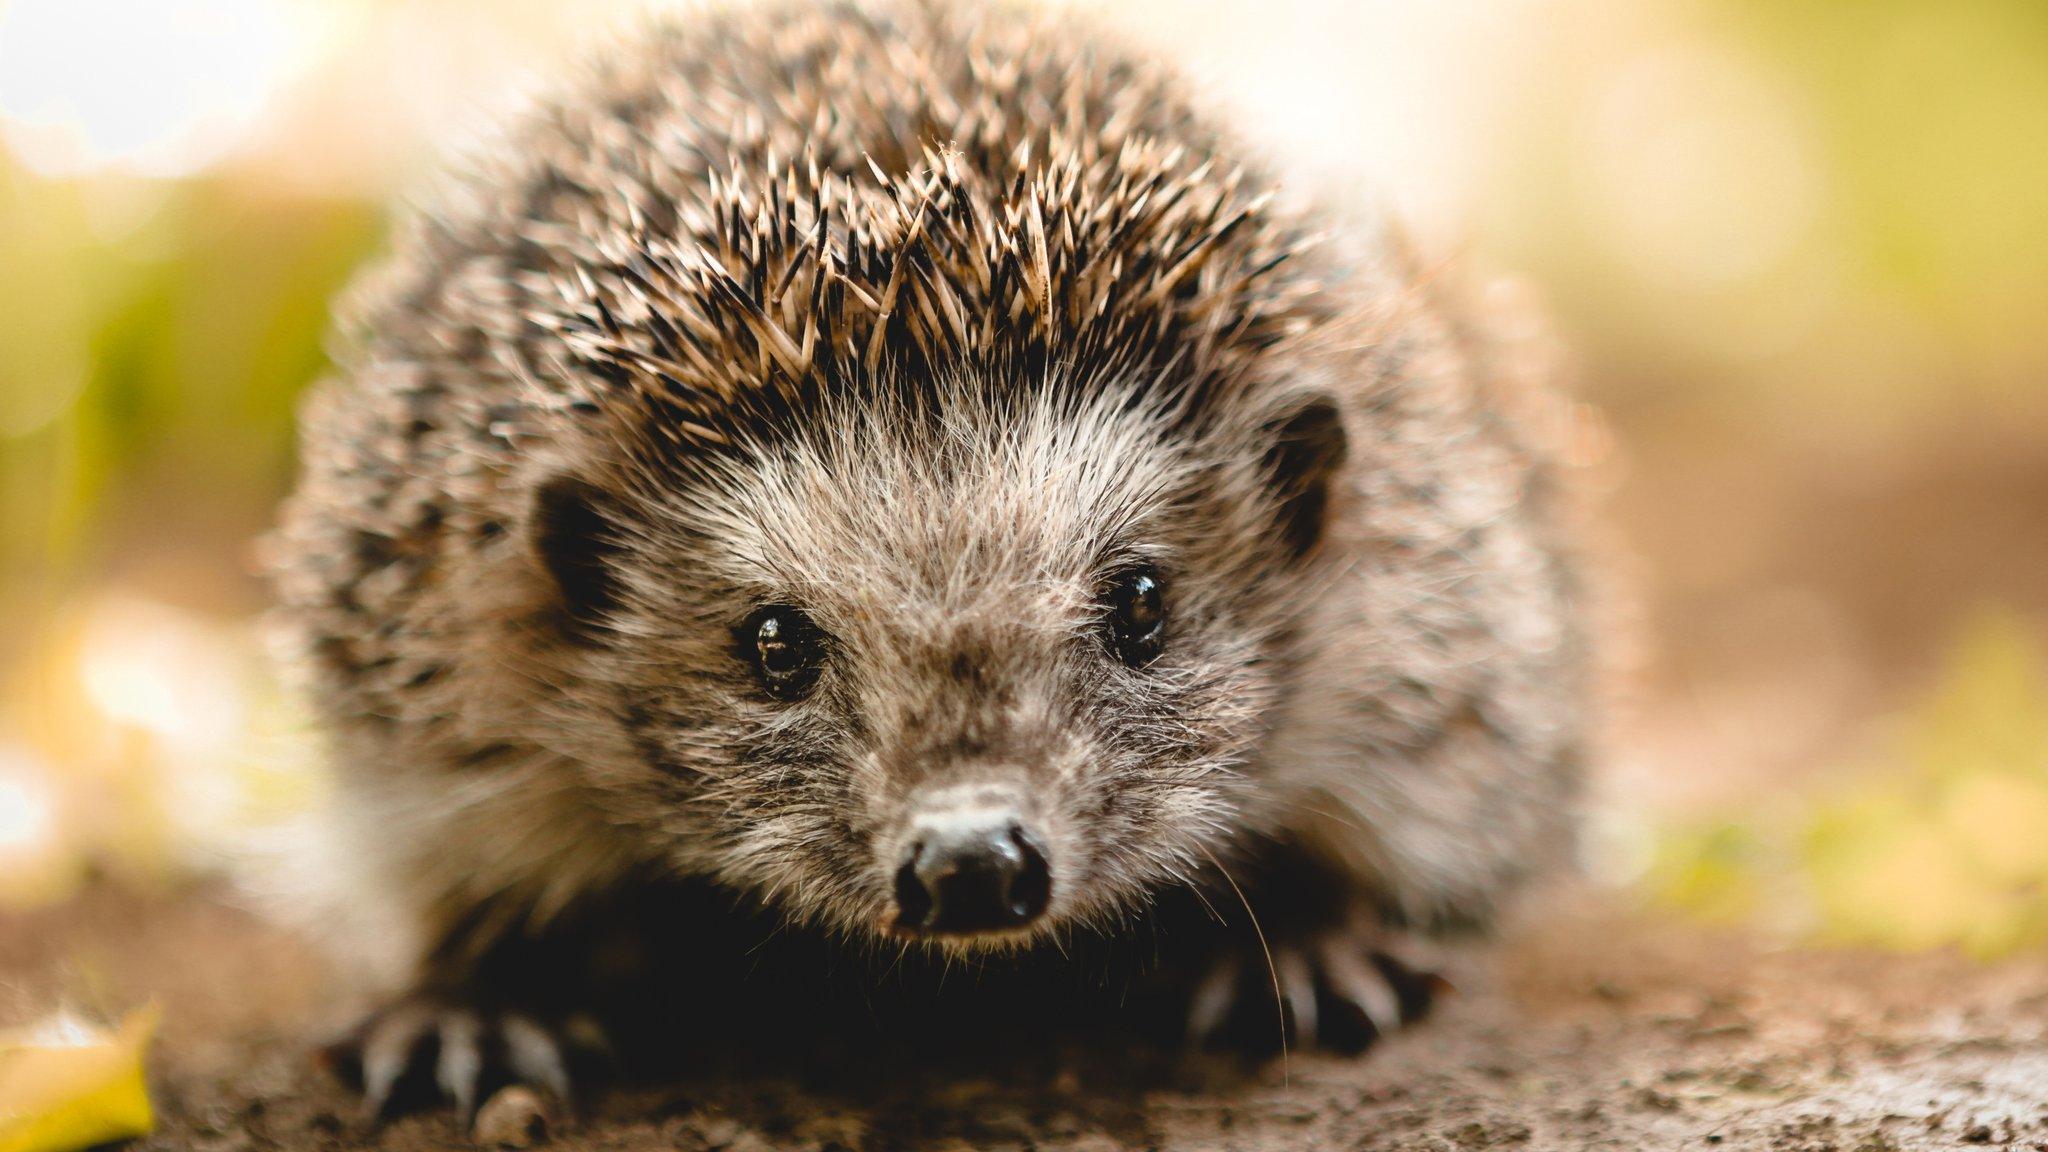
x=970, y=869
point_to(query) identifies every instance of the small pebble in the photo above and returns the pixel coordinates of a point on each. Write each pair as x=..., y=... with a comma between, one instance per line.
x=514, y=1117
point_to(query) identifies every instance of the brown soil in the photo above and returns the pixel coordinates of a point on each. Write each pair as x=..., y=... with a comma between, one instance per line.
x=1593, y=1029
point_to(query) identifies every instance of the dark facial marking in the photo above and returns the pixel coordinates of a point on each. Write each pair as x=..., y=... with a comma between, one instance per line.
x=576, y=543
x=1309, y=448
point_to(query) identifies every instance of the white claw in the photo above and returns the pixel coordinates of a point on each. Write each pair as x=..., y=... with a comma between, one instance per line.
x=535, y=1056
x=470, y=1046
x=1212, y=1000
x=1298, y=988
x=1361, y=982
x=460, y=1065
x=387, y=1053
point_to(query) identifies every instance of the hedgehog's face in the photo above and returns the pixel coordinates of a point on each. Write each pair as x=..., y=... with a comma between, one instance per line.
x=968, y=674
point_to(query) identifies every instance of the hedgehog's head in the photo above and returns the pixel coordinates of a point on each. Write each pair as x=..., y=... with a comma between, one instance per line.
x=958, y=668
x=967, y=629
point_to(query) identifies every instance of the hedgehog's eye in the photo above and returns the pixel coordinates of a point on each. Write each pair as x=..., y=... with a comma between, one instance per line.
x=785, y=649
x=1136, y=602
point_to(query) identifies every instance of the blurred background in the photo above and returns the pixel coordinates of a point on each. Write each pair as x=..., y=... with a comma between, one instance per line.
x=1797, y=251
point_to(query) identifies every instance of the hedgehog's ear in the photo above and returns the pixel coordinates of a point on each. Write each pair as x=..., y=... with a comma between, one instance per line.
x=1308, y=446
x=575, y=534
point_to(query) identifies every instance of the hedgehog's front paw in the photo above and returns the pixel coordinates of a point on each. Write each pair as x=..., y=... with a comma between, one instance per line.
x=1340, y=989
x=421, y=1049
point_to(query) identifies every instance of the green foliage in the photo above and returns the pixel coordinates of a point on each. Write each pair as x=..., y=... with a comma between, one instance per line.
x=1942, y=842
x=1930, y=117
x=1711, y=871
x=153, y=339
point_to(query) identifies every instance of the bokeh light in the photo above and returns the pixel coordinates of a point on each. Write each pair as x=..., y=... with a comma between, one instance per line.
x=35, y=866
x=1796, y=250
x=159, y=89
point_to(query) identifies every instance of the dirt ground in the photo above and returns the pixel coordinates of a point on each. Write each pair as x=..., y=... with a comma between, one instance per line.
x=1589, y=1028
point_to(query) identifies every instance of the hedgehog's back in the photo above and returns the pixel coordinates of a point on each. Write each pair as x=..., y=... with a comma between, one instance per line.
x=730, y=216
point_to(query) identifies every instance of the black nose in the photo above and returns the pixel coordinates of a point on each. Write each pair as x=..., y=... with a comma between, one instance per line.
x=964, y=877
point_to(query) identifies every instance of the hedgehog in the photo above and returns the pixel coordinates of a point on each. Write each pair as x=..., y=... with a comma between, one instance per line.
x=906, y=474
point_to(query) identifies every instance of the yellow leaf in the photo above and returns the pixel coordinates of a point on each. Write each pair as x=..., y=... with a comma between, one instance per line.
x=62, y=1090
x=1713, y=872
x=1907, y=889
x=1990, y=711
x=1999, y=820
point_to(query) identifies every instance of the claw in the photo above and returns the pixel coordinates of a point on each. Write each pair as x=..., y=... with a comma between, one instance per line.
x=1338, y=990
x=1210, y=1005
x=1297, y=991
x=387, y=1053
x=1361, y=984
x=459, y=1052
x=1416, y=985
x=535, y=1056
x=460, y=1069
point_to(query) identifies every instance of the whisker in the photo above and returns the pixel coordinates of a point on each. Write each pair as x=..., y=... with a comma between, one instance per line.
x=1272, y=971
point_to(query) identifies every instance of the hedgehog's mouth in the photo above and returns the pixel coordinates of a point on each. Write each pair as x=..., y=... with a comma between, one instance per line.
x=986, y=940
